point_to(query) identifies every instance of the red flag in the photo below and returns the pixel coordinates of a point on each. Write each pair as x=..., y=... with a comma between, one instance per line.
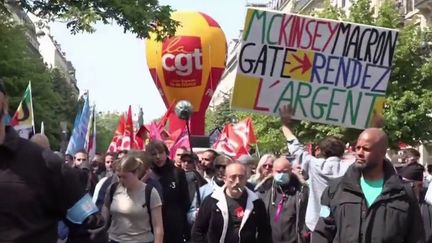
x=230, y=143
x=154, y=132
x=170, y=121
x=127, y=138
x=124, y=137
x=141, y=136
x=182, y=141
x=245, y=131
x=116, y=141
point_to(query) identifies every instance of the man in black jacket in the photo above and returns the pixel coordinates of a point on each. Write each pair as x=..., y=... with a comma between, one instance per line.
x=175, y=194
x=38, y=189
x=369, y=203
x=232, y=213
x=412, y=175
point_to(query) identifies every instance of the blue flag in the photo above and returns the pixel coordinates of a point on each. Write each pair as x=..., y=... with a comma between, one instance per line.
x=79, y=131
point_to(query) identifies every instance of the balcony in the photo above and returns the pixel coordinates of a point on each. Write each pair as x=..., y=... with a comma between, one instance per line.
x=300, y=5
x=425, y=7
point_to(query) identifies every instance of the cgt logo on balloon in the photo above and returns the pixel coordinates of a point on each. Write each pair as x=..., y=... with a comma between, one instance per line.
x=182, y=61
x=189, y=65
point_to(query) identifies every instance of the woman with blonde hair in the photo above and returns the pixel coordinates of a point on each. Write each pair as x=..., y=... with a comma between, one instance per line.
x=263, y=170
x=132, y=208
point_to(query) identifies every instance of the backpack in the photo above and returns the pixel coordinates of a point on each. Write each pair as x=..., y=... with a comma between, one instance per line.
x=148, y=190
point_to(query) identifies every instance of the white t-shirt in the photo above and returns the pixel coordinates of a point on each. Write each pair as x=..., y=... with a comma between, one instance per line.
x=129, y=215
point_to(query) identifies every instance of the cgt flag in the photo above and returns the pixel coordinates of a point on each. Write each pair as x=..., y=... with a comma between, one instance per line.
x=235, y=139
x=23, y=119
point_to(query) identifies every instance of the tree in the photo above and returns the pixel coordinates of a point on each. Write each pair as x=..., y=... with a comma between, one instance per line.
x=330, y=12
x=137, y=16
x=361, y=12
x=267, y=128
x=19, y=65
x=106, y=124
x=220, y=116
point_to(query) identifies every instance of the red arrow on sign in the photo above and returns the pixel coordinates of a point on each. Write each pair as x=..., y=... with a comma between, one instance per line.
x=305, y=63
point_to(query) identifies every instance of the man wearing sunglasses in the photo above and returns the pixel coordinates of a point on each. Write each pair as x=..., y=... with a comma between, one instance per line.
x=193, y=178
x=220, y=164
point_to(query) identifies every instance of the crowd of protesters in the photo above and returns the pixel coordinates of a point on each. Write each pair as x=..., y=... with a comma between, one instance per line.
x=206, y=197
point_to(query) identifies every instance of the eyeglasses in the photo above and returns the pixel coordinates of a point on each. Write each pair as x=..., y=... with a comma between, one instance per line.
x=269, y=166
x=80, y=159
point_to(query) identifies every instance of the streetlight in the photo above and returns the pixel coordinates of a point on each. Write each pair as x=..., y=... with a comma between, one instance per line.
x=183, y=110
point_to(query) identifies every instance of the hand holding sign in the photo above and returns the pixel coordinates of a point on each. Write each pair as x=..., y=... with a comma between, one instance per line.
x=285, y=113
x=377, y=120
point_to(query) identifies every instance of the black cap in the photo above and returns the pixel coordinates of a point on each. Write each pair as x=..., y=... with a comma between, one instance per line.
x=412, y=172
x=189, y=157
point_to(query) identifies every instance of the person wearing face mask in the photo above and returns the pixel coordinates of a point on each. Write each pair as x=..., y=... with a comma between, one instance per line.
x=286, y=202
x=320, y=169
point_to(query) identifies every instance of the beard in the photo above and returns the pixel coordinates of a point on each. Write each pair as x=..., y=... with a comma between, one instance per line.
x=209, y=170
x=365, y=167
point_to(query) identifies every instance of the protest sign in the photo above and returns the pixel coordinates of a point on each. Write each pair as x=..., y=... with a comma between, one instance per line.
x=331, y=72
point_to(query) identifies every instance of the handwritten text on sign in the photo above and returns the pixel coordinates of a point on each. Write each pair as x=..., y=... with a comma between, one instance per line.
x=329, y=71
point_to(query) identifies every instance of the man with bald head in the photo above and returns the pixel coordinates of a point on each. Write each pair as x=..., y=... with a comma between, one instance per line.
x=369, y=203
x=41, y=140
x=286, y=202
x=232, y=213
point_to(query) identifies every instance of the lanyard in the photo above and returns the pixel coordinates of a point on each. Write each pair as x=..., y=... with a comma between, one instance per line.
x=280, y=207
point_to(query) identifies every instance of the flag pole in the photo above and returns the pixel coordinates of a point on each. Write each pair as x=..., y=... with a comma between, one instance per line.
x=31, y=105
x=257, y=150
x=189, y=137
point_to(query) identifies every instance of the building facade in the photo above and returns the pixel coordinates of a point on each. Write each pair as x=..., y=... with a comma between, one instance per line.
x=52, y=54
x=21, y=18
x=42, y=43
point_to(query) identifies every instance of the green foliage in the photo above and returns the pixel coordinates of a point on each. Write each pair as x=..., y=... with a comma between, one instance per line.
x=19, y=64
x=361, y=12
x=268, y=132
x=267, y=128
x=137, y=16
x=330, y=12
x=106, y=124
x=220, y=116
x=388, y=15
